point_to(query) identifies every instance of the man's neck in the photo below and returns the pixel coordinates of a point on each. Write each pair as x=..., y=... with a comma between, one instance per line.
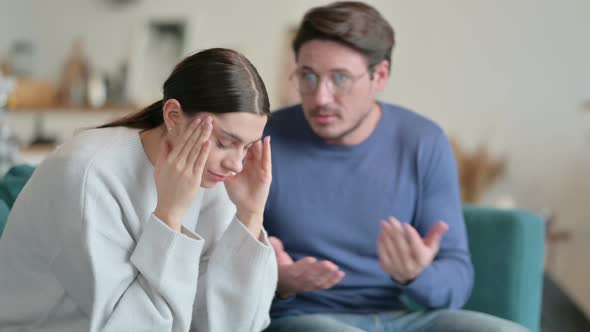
x=365, y=128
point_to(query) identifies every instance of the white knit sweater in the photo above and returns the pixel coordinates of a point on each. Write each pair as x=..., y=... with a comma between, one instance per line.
x=82, y=250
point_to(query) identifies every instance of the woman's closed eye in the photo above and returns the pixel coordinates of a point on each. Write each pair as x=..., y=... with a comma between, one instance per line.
x=229, y=145
x=223, y=145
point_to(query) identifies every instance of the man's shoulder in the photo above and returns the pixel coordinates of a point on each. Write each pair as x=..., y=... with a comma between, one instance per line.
x=287, y=113
x=410, y=121
x=285, y=119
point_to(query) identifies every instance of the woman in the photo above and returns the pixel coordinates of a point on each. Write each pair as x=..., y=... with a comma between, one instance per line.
x=128, y=227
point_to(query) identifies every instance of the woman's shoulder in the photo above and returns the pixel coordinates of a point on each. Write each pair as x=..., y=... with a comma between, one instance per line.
x=93, y=147
x=100, y=139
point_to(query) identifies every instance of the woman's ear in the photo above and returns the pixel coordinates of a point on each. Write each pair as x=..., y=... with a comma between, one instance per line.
x=172, y=113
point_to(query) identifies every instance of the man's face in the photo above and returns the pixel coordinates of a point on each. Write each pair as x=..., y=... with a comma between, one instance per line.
x=337, y=90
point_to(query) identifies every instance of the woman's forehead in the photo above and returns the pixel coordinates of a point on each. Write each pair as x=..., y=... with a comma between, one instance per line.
x=241, y=126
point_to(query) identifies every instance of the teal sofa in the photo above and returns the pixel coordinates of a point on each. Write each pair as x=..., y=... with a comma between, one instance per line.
x=10, y=185
x=507, y=251
x=506, y=248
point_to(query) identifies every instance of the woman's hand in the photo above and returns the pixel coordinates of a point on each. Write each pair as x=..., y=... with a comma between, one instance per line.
x=249, y=189
x=179, y=170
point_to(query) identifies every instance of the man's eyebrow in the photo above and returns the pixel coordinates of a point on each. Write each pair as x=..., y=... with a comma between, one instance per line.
x=333, y=70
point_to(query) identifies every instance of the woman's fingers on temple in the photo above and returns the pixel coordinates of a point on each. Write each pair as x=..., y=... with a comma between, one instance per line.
x=197, y=147
x=250, y=153
x=266, y=155
x=199, y=165
x=193, y=141
x=258, y=150
x=180, y=142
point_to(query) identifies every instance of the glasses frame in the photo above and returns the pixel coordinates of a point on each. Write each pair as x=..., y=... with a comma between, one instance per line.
x=325, y=79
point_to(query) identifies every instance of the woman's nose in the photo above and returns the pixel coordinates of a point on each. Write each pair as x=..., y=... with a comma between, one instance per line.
x=234, y=163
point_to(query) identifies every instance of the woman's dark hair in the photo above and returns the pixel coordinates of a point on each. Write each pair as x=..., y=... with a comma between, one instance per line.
x=216, y=80
x=354, y=24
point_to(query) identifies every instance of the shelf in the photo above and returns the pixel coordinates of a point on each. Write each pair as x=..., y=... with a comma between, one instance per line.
x=114, y=109
x=38, y=148
x=34, y=154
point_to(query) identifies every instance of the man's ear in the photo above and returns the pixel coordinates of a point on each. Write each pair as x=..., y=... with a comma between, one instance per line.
x=381, y=74
x=172, y=112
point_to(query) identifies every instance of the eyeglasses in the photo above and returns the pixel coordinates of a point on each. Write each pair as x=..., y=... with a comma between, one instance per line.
x=337, y=83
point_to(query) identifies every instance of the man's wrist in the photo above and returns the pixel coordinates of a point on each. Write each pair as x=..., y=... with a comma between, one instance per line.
x=402, y=281
x=283, y=296
x=405, y=282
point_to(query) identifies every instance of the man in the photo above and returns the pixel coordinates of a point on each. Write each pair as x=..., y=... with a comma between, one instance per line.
x=364, y=205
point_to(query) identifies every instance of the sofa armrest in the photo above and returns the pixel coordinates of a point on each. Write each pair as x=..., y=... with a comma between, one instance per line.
x=507, y=248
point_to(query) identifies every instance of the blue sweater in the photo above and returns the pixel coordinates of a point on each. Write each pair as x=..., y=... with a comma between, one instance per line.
x=327, y=201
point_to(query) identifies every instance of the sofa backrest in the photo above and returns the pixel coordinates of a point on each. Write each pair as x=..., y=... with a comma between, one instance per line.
x=11, y=185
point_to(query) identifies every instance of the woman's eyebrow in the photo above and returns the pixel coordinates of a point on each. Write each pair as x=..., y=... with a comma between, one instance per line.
x=233, y=136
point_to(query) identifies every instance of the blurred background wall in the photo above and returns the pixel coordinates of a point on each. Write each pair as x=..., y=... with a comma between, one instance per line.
x=513, y=76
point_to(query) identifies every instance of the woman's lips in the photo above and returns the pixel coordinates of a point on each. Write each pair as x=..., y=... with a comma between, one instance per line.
x=217, y=177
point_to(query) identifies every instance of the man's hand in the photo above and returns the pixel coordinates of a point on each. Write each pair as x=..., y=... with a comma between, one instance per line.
x=403, y=253
x=305, y=275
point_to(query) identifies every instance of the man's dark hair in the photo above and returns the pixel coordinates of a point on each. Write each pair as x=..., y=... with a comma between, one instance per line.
x=354, y=24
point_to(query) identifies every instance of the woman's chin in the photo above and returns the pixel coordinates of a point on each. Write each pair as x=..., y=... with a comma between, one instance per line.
x=207, y=183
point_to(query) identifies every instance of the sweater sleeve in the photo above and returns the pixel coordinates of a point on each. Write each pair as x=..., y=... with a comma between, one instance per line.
x=447, y=282
x=237, y=285
x=122, y=283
